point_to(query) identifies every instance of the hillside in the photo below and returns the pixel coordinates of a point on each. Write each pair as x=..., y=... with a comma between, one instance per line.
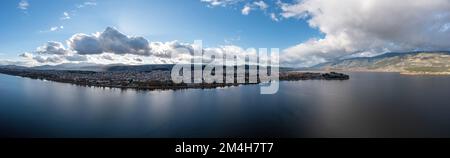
x=434, y=63
x=120, y=68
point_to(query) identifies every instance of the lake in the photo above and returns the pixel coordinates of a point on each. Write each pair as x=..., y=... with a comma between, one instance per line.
x=367, y=105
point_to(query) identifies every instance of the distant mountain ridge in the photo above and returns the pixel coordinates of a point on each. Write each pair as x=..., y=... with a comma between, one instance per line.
x=407, y=63
x=100, y=67
x=73, y=66
x=437, y=62
x=118, y=67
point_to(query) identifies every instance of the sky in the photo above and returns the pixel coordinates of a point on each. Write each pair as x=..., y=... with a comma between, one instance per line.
x=308, y=32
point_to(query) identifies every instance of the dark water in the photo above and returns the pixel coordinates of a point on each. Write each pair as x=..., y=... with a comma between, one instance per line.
x=368, y=105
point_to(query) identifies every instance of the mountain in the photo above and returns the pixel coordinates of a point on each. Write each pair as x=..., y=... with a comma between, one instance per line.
x=73, y=66
x=435, y=63
x=110, y=68
x=140, y=68
x=406, y=63
x=12, y=67
x=120, y=67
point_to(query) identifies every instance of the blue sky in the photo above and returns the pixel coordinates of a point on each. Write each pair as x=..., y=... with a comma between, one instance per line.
x=308, y=32
x=157, y=20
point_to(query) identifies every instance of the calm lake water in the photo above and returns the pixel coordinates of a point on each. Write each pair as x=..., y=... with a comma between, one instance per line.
x=367, y=105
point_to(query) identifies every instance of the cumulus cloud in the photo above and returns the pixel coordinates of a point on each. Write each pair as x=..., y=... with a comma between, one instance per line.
x=54, y=59
x=246, y=10
x=50, y=59
x=361, y=27
x=52, y=47
x=26, y=55
x=172, y=49
x=109, y=41
x=129, y=59
x=110, y=46
x=113, y=47
x=368, y=27
x=85, y=44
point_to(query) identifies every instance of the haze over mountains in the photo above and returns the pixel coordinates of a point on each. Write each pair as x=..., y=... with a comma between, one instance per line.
x=111, y=67
x=406, y=63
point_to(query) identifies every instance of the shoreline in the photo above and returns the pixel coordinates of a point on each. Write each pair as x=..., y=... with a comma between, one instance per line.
x=426, y=73
x=132, y=80
x=400, y=72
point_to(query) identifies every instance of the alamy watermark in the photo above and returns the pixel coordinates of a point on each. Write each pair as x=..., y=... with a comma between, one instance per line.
x=253, y=66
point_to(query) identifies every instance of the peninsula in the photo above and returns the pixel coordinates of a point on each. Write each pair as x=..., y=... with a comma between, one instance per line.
x=137, y=78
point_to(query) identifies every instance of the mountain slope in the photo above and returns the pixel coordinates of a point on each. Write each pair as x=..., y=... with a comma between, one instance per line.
x=406, y=63
x=73, y=66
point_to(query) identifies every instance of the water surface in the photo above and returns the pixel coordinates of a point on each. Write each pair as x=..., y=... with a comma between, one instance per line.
x=367, y=105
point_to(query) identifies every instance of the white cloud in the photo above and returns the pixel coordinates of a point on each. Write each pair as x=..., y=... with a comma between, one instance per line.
x=361, y=27
x=56, y=28
x=113, y=47
x=261, y=5
x=274, y=17
x=66, y=16
x=369, y=26
x=249, y=6
x=86, y=4
x=110, y=46
x=50, y=59
x=213, y=3
x=26, y=55
x=171, y=49
x=52, y=47
x=232, y=40
x=53, y=29
x=111, y=41
x=23, y=5
x=129, y=59
x=246, y=10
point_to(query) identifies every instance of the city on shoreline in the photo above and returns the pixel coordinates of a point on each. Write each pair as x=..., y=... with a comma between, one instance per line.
x=148, y=80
